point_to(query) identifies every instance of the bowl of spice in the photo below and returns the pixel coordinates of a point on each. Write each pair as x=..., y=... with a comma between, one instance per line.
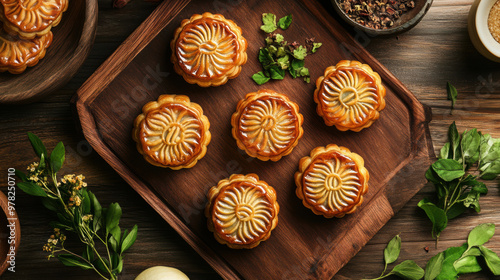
x=484, y=28
x=382, y=17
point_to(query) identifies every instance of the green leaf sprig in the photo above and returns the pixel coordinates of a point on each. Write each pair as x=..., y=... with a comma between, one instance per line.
x=278, y=55
x=408, y=269
x=457, y=189
x=452, y=95
x=79, y=212
x=452, y=262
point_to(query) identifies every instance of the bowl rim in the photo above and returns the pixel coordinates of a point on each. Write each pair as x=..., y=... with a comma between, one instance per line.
x=482, y=29
x=66, y=71
x=390, y=31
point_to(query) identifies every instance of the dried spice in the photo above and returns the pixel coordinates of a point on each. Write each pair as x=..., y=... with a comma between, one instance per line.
x=376, y=14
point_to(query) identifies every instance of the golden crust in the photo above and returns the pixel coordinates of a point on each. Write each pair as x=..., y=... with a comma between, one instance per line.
x=267, y=125
x=208, y=50
x=332, y=181
x=16, y=53
x=350, y=96
x=172, y=132
x=31, y=18
x=242, y=211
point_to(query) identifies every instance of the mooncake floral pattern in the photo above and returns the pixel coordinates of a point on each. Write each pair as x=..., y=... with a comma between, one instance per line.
x=350, y=96
x=172, y=133
x=32, y=16
x=208, y=49
x=267, y=125
x=242, y=211
x=332, y=181
x=16, y=54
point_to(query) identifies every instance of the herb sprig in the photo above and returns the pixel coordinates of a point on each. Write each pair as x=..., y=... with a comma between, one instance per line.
x=79, y=212
x=457, y=189
x=448, y=264
x=279, y=55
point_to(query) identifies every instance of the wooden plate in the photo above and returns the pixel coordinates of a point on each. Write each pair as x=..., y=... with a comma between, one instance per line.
x=397, y=148
x=73, y=39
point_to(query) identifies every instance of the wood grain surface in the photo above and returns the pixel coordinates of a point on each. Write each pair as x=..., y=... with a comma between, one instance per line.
x=435, y=51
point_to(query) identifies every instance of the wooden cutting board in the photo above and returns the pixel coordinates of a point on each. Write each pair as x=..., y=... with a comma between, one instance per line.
x=397, y=148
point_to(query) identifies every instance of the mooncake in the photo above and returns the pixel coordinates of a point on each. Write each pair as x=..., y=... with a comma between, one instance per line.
x=242, y=211
x=332, y=181
x=16, y=53
x=208, y=50
x=267, y=125
x=31, y=18
x=350, y=96
x=172, y=132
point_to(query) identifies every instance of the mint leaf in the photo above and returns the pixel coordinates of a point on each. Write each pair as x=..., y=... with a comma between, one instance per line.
x=37, y=145
x=408, y=270
x=451, y=255
x=300, y=53
x=454, y=138
x=285, y=22
x=467, y=264
x=448, y=169
x=490, y=170
x=391, y=251
x=480, y=234
x=57, y=157
x=452, y=94
x=492, y=260
x=434, y=266
x=444, y=153
x=436, y=215
x=269, y=22
x=260, y=78
x=316, y=46
x=277, y=73
x=279, y=38
x=470, y=146
x=284, y=62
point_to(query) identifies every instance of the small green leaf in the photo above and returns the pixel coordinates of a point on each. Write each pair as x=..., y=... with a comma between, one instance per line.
x=472, y=200
x=42, y=164
x=436, y=215
x=492, y=260
x=300, y=53
x=480, y=234
x=21, y=175
x=451, y=254
x=434, y=266
x=471, y=141
x=490, y=170
x=37, y=145
x=116, y=260
x=448, y=169
x=391, y=251
x=445, y=151
x=431, y=176
x=113, y=243
x=57, y=157
x=408, y=270
x=454, y=138
x=467, y=264
x=316, y=46
x=96, y=211
x=285, y=21
x=277, y=73
x=260, y=78
x=295, y=65
x=101, y=265
x=279, y=38
x=70, y=260
x=283, y=62
x=113, y=216
x=456, y=210
x=32, y=189
x=452, y=94
x=269, y=22
x=86, y=203
x=130, y=239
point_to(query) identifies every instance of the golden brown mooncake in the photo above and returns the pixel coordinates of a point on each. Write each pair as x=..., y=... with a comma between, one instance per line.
x=31, y=18
x=172, y=132
x=267, y=125
x=349, y=96
x=16, y=53
x=332, y=181
x=208, y=50
x=242, y=211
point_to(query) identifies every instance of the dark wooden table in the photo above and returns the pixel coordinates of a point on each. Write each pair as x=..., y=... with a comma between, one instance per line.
x=436, y=51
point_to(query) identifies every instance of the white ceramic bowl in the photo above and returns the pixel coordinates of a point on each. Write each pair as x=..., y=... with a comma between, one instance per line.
x=479, y=32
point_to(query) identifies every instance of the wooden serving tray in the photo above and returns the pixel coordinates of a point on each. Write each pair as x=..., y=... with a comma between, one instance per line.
x=397, y=148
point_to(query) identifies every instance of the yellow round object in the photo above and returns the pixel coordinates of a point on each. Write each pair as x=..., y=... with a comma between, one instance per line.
x=162, y=273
